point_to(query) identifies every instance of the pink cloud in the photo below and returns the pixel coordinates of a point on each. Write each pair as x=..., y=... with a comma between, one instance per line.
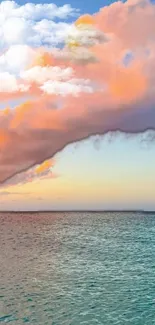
x=121, y=97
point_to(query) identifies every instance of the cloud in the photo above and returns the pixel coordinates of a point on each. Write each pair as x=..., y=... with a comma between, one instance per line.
x=30, y=44
x=9, y=84
x=35, y=11
x=72, y=87
x=80, y=90
x=39, y=78
x=7, y=193
x=40, y=74
x=84, y=35
x=22, y=56
x=75, y=55
x=35, y=173
x=132, y=22
x=56, y=80
x=32, y=24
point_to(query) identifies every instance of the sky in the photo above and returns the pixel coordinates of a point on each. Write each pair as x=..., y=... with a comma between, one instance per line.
x=77, y=114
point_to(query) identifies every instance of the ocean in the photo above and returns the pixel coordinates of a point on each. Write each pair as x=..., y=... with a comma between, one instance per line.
x=77, y=268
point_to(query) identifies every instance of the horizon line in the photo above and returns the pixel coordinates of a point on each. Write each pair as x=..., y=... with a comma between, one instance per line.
x=82, y=210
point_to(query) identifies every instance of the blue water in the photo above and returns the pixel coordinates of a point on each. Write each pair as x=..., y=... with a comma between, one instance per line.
x=77, y=268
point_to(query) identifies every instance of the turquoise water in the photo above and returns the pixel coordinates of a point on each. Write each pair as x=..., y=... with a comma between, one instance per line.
x=77, y=268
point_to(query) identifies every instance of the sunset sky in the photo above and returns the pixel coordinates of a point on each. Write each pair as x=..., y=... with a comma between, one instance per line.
x=83, y=71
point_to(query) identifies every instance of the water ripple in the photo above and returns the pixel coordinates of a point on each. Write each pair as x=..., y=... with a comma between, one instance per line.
x=77, y=268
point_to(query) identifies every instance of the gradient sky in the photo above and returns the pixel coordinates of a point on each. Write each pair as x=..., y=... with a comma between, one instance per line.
x=115, y=171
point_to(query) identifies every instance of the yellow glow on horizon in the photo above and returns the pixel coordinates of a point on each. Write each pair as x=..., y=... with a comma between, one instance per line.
x=89, y=190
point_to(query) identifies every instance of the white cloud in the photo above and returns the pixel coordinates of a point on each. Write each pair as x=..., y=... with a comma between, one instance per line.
x=49, y=33
x=73, y=87
x=50, y=80
x=9, y=84
x=80, y=55
x=35, y=12
x=16, y=58
x=25, y=28
x=32, y=24
x=85, y=35
x=40, y=75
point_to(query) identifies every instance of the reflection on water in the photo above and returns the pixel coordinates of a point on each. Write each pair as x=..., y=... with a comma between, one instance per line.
x=77, y=268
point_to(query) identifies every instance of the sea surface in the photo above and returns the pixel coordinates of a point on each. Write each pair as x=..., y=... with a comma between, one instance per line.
x=77, y=268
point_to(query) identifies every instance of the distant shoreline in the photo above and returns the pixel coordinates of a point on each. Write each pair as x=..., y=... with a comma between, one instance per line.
x=78, y=211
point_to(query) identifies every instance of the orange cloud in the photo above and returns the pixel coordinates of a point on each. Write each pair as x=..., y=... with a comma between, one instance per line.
x=43, y=59
x=47, y=117
x=43, y=167
x=85, y=20
x=22, y=112
x=132, y=22
x=33, y=174
x=6, y=111
x=4, y=138
x=128, y=84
